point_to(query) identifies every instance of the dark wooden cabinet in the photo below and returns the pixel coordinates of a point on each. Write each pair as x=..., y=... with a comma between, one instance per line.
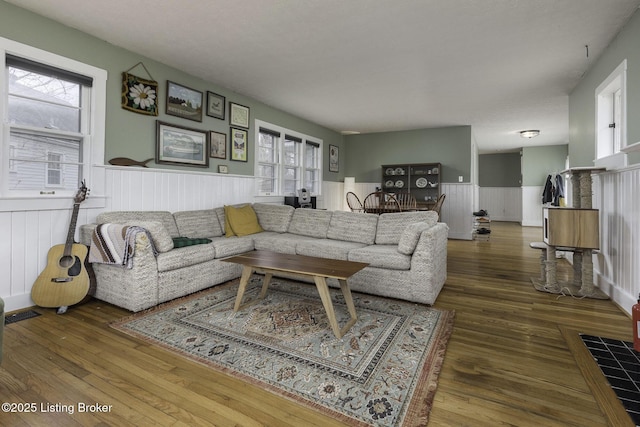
x=422, y=180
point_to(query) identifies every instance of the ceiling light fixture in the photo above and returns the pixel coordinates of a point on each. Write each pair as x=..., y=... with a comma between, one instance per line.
x=529, y=133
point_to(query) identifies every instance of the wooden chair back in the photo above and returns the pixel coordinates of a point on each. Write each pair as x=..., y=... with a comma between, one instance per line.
x=354, y=202
x=438, y=206
x=381, y=202
x=407, y=201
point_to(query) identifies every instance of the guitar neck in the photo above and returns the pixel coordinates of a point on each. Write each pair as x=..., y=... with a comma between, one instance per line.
x=72, y=230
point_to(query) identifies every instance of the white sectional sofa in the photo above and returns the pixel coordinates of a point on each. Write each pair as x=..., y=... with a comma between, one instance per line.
x=406, y=251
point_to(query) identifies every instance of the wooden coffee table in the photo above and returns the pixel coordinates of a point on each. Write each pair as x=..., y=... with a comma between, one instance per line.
x=320, y=269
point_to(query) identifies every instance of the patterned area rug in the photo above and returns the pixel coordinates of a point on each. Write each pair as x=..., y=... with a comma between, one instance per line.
x=383, y=372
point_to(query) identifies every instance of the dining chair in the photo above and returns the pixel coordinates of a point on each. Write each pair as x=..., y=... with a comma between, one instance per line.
x=381, y=202
x=354, y=202
x=438, y=206
x=407, y=201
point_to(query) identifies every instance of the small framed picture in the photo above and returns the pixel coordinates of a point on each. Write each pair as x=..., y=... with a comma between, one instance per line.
x=215, y=105
x=238, y=115
x=139, y=95
x=223, y=169
x=239, y=141
x=334, y=158
x=184, y=102
x=181, y=145
x=217, y=145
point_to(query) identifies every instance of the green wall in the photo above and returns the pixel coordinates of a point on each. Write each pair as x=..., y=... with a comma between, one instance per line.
x=450, y=146
x=499, y=170
x=134, y=135
x=538, y=162
x=582, y=99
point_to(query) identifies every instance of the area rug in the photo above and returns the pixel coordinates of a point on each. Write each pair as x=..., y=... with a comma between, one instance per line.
x=383, y=372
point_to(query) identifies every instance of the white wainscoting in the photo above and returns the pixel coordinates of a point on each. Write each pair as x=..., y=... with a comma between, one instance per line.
x=532, y=206
x=503, y=203
x=457, y=210
x=617, y=265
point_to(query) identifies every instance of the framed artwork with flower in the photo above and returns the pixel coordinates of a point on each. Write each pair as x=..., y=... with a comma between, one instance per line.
x=139, y=95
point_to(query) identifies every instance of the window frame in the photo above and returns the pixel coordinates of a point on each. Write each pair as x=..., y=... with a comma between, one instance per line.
x=281, y=166
x=93, y=135
x=611, y=143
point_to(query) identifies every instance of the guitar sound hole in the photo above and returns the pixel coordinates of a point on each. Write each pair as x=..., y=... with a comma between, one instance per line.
x=73, y=263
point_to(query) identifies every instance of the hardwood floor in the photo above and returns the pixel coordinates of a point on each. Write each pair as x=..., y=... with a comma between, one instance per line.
x=508, y=361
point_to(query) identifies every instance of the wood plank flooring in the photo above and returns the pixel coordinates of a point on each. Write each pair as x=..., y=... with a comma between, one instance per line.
x=508, y=360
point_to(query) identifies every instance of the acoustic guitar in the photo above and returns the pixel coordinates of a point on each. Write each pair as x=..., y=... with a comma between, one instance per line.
x=65, y=280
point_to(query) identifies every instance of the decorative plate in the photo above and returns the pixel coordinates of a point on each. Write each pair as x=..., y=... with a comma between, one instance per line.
x=399, y=171
x=388, y=183
x=399, y=183
x=421, y=182
x=389, y=171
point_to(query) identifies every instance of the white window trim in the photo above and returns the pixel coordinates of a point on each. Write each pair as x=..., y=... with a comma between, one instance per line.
x=284, y=131
x=618, y=79
x=94, y=138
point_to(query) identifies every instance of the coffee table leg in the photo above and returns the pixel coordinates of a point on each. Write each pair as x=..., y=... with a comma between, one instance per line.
x=265, y=284
x=323, y=290
x=244, y=280
x=346, y=292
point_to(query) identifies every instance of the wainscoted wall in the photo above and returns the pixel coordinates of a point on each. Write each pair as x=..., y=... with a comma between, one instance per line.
x=617, y=265
x=532, y=206
x=503, y=203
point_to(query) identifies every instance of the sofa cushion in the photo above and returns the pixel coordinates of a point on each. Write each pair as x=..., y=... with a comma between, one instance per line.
x=353, y=227
x=284, y=243
x=411, y=235
x=391, y=225
x=242, y=220
x=233, y=245
x=274, y=217
x=326, y=248
x=381, y=256
x=121, y=217
x=161, y=238
x=198, y=224
x=310, y=222
x=185, y=257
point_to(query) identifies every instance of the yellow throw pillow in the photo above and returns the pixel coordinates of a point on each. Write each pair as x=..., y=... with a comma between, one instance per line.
x=242, y=221
x=228, y=231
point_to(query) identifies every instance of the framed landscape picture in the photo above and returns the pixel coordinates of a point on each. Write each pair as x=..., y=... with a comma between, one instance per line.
x=239, y=141
x=181, y=145
x=184, y=102
x=218, y=145
x=238, y=115
x=215, y=105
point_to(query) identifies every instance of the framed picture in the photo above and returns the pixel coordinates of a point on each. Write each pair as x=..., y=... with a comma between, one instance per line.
x=215, y=105
x=334, y=158
x=217, y=145
x=223, y=169
x=181, y=145
x=139, y=95
x=238, y=115
x=184, y=102
x=239, y=143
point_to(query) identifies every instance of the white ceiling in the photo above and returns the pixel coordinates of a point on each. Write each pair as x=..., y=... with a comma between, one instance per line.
x=500, y=66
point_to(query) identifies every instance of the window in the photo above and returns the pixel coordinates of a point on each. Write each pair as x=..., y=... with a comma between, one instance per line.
x=286, y=161
x=611, y=126
x=53, y=115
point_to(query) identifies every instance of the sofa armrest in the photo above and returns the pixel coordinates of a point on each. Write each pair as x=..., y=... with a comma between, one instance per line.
x=86, y=231
x=430, y=255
